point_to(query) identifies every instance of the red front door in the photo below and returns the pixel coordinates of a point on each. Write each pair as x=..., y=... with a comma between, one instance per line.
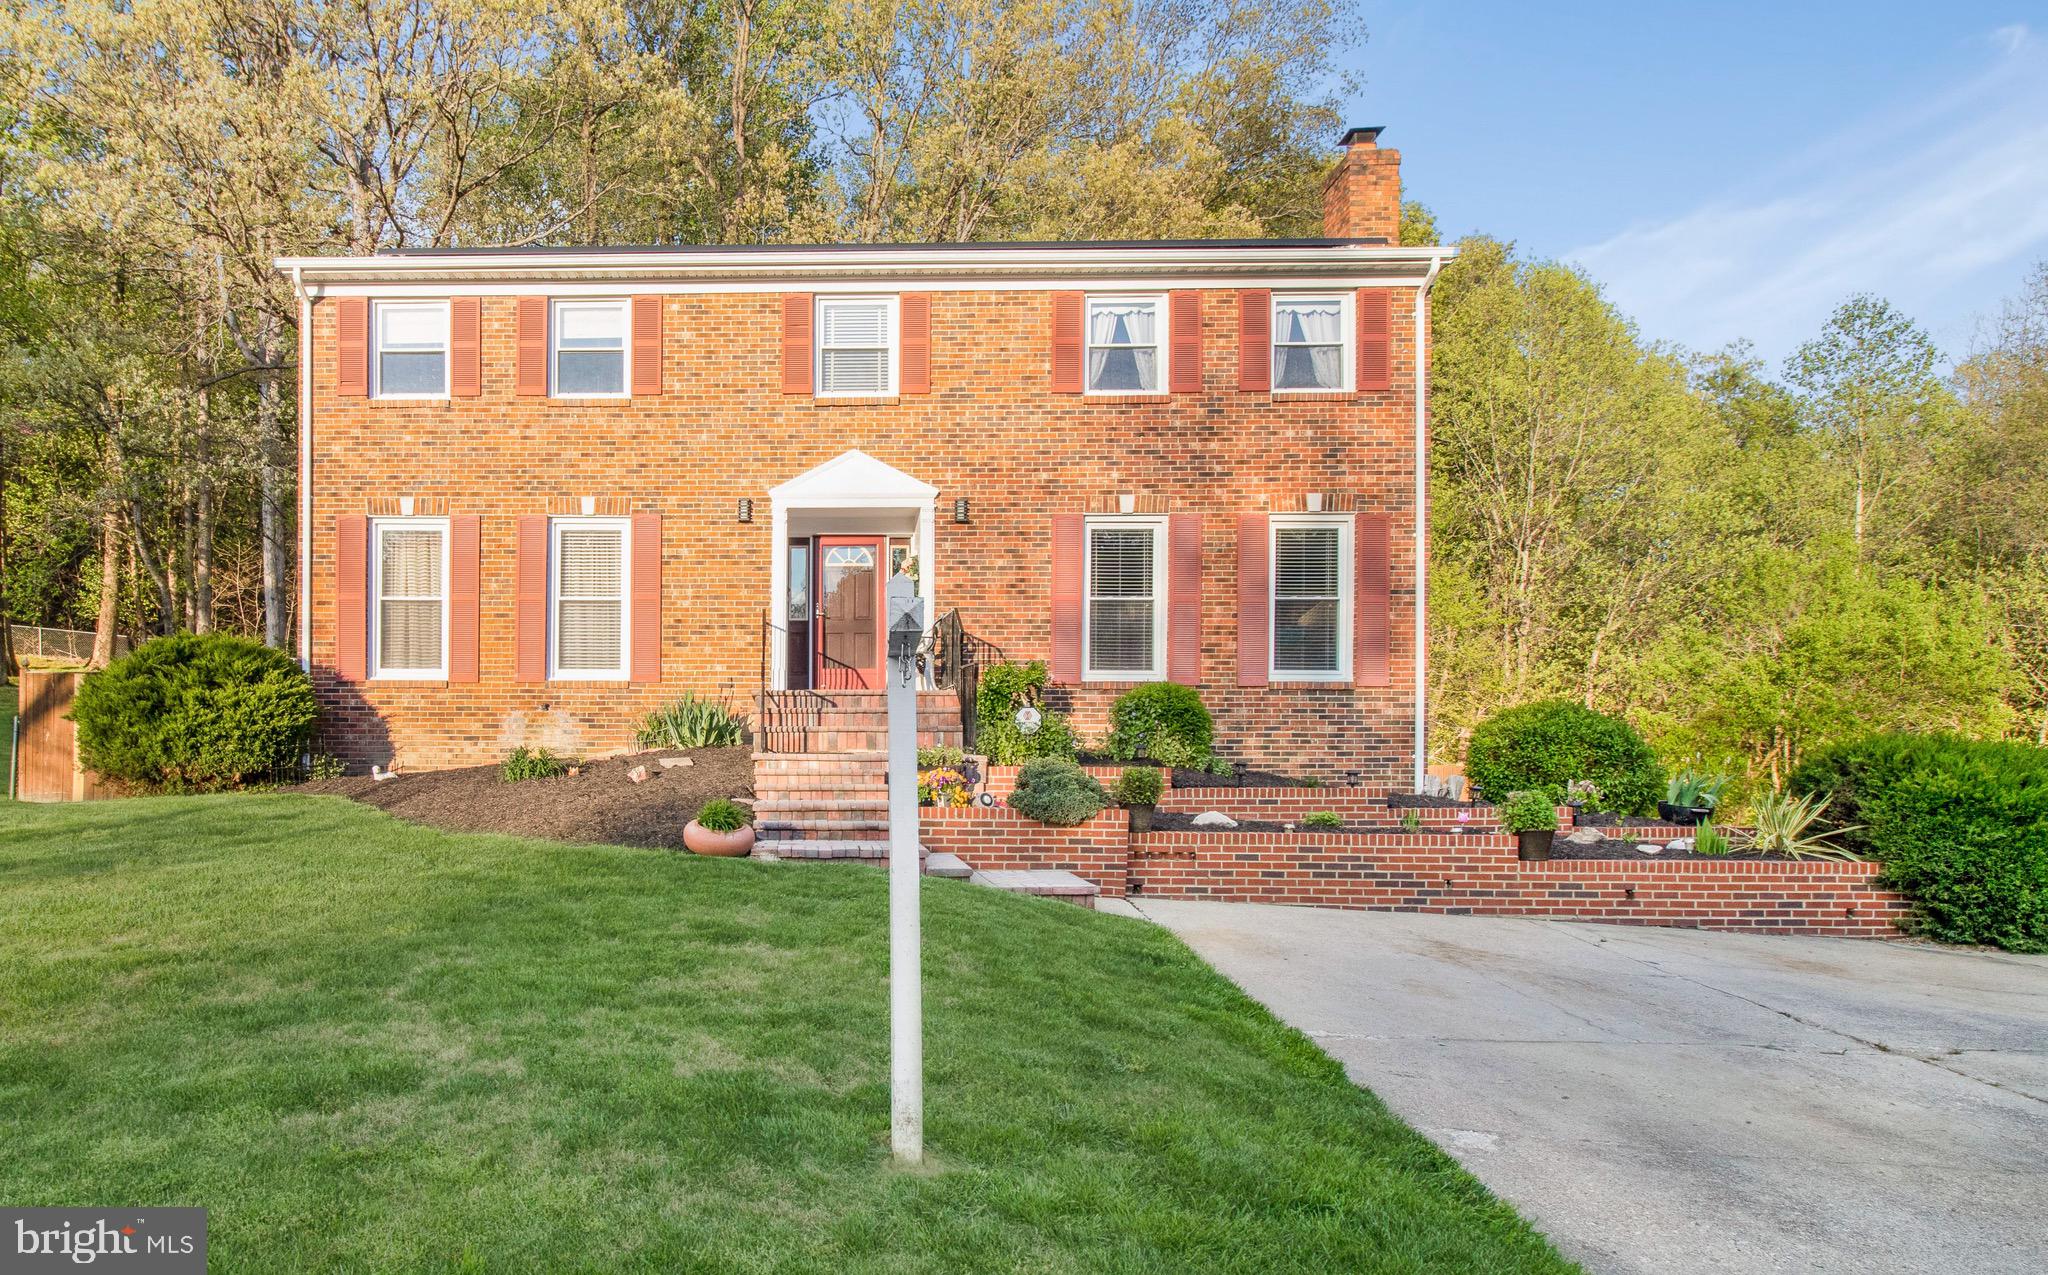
x=848, y=588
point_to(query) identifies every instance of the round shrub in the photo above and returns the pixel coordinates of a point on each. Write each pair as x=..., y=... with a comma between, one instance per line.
x=1547, y=745
x=1057, y=792
x=1139, y=786
x=194, y=711
x=1164, y=721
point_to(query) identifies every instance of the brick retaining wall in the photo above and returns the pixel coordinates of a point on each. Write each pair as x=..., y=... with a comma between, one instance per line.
x=996, y=837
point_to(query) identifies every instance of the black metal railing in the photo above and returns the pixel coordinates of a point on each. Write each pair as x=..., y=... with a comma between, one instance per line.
x=953, y=659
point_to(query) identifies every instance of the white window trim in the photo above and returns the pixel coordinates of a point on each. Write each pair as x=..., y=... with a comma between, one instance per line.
x=625, y=309
x=1157, y=671
x=378, y=526
x=1162, y=342
x=1347, y=599
x=892, y=339
x=377, y=351
x=1347, y=341
x=622, y=673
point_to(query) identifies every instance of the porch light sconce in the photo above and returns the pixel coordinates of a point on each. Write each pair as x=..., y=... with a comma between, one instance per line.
x=960, y=514
x=746, y=510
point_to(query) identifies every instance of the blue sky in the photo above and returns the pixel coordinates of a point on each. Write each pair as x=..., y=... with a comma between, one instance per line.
x=1732, y=170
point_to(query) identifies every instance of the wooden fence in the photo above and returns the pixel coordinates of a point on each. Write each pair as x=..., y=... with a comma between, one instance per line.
x=46, y=747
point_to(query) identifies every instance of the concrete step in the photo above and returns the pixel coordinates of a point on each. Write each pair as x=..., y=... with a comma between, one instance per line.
x=801, y=827
x=865, y=850
x=950, y=866
x=1046, y=883
x=840, y=807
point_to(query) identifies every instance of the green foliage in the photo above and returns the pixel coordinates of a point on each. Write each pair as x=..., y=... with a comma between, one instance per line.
x=1786, y=823
x=1709, y=840
x=941, y=757
x=531, y=763
x=1695, y=790
x=1330, y=819
x=1057, y=792
x=1531, y=810
x=1164, y=721
x=692, y=721
x=1139, y=786
x=1005, y=688
x=1961, y=827
x=325, y=766
x=194, y=712
x=1547, y=745
x=722, y=814
x=1411, y=820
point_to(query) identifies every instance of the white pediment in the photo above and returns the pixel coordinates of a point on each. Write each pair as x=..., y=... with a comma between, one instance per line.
x=852, y=479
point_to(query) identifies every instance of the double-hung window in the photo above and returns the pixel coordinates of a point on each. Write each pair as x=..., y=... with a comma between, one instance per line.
x=1126, y=344
x=587, y=581
x=588, y=358
x=1310, y=351
x=411, y=359
x=856, y=346
x=1125, y=570
x=1312, y=584
x=409, y=592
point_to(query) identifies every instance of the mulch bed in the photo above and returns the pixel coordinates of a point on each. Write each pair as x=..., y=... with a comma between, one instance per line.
x=1601, y=819
x=1616, y=848
x=1416, y=801
x=597, y=805
x=1205, y=779
x=1184, y=821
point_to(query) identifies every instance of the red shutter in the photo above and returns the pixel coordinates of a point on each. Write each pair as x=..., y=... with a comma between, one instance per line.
x=352, y=597
x=1254, y=600
x=530, y=365
x=465, y=589
x=465, y=347
x=1067, y=530
x=914, y=350
x=530, y=605
x=646, y=346
x=1066, y=342
x=1255, y=340
x=1184, y=599
x=1371, y=639
x=1375, y=340
x=796, y=343
x=1184, y=375
x=646, y=654
x=352, y=347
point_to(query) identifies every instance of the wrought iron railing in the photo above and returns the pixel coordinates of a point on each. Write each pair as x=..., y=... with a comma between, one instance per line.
x=953, y=659
x=949, y=659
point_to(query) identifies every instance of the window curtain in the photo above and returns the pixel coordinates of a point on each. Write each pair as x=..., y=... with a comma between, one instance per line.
x=1309, y=345
x=1131, y=360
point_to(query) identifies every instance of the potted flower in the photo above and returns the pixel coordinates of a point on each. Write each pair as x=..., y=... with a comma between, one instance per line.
x=1533, y=819
x=1690, y=797
x=1137, y=790
x=722, y=827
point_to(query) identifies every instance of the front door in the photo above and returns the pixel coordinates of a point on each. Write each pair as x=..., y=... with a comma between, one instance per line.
x=848, y=589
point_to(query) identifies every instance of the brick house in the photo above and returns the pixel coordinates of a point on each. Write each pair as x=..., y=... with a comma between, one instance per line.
x=545, y=490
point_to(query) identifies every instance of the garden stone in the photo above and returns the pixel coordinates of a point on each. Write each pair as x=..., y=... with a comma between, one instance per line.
x=1682, y=843
x=638, y=774
x=1649, y=847
x=1585, y=837
x=1214, y=819
x=670, y=763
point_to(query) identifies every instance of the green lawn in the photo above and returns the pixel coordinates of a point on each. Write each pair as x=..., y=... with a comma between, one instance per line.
x=369, y=1046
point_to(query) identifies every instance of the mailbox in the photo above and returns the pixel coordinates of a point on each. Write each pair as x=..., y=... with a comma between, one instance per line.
x=906, y=624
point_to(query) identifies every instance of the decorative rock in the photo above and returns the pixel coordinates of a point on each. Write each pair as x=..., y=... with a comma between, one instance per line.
x=638, y=774
x=379, y=774
x=1585, y=837
x=1649, y=847
x=1682, y=843
x=670, y=763
x=1214, y=819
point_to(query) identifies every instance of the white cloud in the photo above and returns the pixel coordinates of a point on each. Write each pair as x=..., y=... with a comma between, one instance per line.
x=1926, y=202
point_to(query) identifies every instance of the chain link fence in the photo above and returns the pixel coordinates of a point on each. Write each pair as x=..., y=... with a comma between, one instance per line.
x=34, y=641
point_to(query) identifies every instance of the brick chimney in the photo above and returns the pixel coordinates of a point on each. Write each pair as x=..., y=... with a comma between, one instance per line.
x=1362, y=197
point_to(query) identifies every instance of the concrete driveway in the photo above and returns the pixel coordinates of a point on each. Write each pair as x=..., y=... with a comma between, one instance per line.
x=1673, y=1100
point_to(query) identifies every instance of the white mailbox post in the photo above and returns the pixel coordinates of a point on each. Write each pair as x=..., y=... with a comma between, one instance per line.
x=906, y=975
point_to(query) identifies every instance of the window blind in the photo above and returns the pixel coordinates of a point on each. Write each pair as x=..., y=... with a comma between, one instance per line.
x=590, y=599
x=853, y=341
x=1307, y=592
x=1122, y=599
x=409, y=599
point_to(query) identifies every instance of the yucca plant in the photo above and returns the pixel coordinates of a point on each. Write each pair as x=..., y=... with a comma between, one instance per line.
x=692, y=722
x=1785, y=825
x=1710, y=840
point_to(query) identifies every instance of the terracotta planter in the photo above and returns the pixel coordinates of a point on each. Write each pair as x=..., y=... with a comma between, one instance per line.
x=1534, y=846
x=728, y=845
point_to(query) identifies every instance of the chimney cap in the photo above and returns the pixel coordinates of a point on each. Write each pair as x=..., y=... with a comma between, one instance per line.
x=1370, y=134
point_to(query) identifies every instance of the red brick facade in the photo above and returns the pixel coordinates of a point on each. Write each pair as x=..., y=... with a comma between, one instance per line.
x=995, y=837
x=722, y=429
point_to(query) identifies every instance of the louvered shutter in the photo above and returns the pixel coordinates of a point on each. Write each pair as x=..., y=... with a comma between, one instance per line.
x=1184, y=599
x=1372, y=621
x=465, y=348
x=465, y=595
x=1184, y=371
x=1375, y=340
x=1066, y=342
x=352, y=347
x=1067, y=530
x=796, y=343
x=530, y=604
x=1255, y=340
x=530, y=353
x=351, y=597
x=914, y=348
x=646, y=346
x=1254, y=583
x=646, y=653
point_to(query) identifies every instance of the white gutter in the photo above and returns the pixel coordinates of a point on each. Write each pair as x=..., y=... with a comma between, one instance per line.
x=305, y=411
x=1436, y=266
